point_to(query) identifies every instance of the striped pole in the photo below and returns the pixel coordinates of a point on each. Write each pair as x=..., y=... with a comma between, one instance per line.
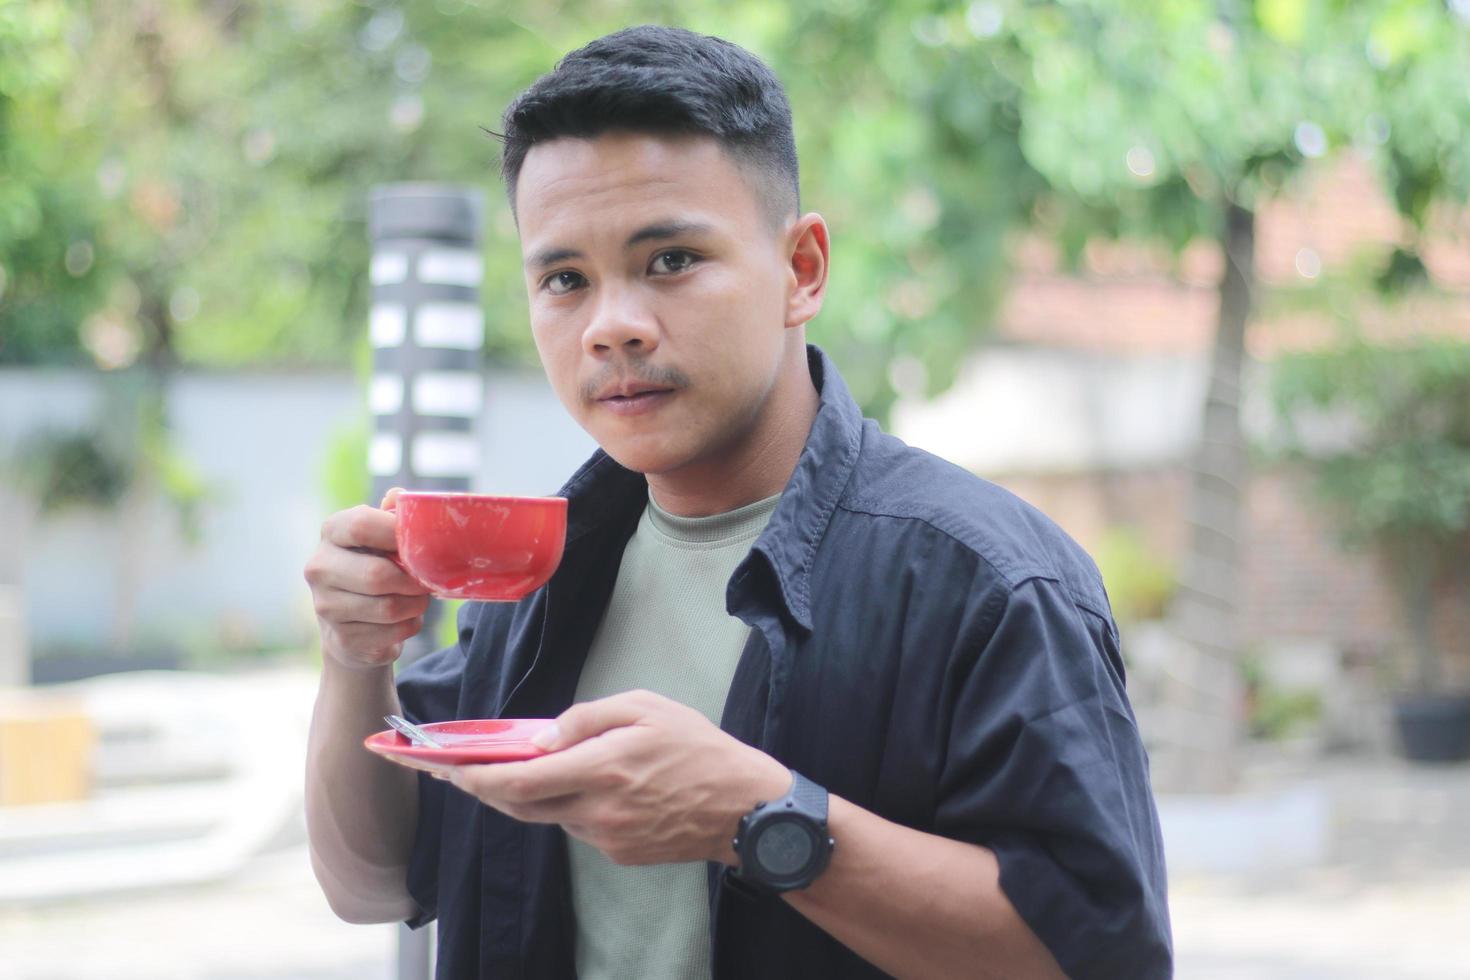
x=427, y=331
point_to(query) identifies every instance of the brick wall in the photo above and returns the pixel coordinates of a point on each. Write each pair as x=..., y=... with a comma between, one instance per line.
x=1300, y=584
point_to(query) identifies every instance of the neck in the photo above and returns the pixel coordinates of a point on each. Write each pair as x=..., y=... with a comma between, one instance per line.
x=760, y=464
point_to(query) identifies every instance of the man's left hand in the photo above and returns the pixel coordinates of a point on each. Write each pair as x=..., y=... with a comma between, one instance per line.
x=640, y=777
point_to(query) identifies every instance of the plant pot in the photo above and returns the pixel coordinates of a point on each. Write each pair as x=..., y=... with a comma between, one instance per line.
x=1433, y=727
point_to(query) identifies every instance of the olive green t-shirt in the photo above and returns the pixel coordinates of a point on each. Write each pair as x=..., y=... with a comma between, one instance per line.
x=665, y=630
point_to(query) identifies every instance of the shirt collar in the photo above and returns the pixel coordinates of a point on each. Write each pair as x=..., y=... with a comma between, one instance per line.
x=789, y=542
x=602, y=491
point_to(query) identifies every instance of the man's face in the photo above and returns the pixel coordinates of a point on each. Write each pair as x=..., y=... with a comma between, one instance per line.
x=658, y=291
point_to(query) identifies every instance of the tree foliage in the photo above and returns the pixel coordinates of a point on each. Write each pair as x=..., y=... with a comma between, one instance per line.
x=185, y=180
x=195, y=179
x=1397, y=477
x=1400, y=469
x=43, y=205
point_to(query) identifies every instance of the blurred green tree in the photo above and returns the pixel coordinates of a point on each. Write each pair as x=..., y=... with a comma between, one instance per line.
x=47, y=286
x=205, y=163
x=218, y=155
x=1174, y=121
x=1395, y=473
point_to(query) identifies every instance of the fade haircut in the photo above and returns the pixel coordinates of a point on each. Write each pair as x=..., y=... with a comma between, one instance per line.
x=663, y=81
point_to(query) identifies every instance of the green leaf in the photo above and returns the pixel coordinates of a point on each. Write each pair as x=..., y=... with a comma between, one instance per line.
x=1283, y=20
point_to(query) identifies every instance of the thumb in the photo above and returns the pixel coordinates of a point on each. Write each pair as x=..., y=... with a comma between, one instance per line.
x=592, y=718
x=390, y=499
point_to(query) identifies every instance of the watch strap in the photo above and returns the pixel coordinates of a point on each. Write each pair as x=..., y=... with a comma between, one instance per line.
x=808, y=796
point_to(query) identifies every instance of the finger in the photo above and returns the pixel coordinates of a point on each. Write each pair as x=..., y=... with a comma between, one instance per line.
x=521, y=784
x=373, y=638
x=409, y=762
x=557, y=809
x=390, y=499
x=362, y=527
x=364, y=573
x=591, y=718
x=344, y=606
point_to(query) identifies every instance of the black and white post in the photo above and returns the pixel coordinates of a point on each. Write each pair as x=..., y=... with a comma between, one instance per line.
x=427, y=331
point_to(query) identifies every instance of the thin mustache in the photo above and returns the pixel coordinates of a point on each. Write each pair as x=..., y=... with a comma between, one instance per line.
x=649, y=374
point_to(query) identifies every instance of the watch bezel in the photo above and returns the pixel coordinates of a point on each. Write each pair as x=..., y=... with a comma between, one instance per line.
x=816, y=860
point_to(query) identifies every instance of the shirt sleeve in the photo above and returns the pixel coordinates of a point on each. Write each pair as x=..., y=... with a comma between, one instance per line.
x=1044, y=766
x=429, y=689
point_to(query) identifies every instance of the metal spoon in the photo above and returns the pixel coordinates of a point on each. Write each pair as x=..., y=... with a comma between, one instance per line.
x=412, y=732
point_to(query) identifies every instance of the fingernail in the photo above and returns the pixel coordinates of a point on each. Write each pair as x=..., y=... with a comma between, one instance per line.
x=547, y=737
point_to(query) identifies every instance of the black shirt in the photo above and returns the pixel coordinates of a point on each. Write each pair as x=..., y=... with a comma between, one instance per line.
x=923, y=644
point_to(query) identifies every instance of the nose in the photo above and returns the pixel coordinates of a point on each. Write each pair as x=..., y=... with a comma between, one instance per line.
x=621, y=324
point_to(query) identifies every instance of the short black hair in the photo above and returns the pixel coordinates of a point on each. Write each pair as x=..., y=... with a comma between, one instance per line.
x=662, y=81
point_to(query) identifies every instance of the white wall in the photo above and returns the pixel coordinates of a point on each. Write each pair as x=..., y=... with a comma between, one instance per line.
x=1030, y=410
x=258, y=440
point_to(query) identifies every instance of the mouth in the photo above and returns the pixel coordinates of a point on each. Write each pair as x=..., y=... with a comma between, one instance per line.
x=635, y=389
x=635, y=399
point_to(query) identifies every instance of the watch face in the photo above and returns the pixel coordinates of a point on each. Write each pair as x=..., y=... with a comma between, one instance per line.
x=784, y=848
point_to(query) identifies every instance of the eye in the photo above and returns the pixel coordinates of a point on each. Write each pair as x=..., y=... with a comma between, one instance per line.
x=672, y=261
x=561, y=283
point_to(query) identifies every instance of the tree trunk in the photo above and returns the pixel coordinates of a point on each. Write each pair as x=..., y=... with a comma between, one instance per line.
x=1411, y=565
x=18, y=510
x=129, y=560
x=142, y=408
x=1204, y=697
x=1420, y=604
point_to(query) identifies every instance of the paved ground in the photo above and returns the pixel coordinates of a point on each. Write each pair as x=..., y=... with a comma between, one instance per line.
x=1392, y=902
x=267, y=923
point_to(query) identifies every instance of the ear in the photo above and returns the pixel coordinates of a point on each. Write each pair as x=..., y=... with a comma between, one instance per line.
x=807, y=267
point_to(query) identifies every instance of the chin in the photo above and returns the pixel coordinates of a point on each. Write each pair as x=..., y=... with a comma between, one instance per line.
x=644, y=462
x=647, y=456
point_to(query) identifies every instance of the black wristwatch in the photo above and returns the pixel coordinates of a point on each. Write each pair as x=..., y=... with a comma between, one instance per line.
x=783, y=845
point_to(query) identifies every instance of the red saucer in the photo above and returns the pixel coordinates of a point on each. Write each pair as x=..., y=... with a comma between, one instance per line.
x=470, y=741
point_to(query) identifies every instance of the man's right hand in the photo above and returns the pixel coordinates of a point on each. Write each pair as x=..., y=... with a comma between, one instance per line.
x=366, y=606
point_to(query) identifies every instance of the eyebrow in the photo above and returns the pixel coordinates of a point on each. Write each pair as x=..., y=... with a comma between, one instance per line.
x=659, y=231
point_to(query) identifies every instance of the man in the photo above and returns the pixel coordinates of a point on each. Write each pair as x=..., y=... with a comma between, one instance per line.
x=763, y=600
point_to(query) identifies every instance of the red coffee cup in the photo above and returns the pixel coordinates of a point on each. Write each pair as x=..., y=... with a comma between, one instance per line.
x=478, y=546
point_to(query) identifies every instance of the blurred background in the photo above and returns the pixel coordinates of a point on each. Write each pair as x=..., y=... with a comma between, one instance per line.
x=1191, y=276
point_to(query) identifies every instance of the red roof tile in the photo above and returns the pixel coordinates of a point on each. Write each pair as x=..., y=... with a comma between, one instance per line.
x=1137, y=298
